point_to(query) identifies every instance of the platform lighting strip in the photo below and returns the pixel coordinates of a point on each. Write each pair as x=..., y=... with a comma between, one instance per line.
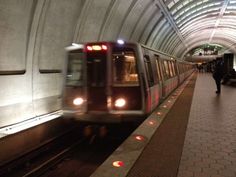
x=222, y=11
x=29, y=123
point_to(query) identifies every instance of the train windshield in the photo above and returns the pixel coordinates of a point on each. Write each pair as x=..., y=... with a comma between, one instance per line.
x=96, y=69
x=124, y=66
x=74, y=75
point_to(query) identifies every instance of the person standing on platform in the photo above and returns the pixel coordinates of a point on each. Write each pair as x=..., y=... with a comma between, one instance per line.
x=218, y=74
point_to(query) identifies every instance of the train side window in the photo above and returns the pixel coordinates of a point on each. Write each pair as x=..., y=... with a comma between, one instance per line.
x=170, y=68
x=74, y=74
x=149, y=71
x=173, y=66
x=158, y=68
x=124, y=66
x=164, y=75
x=166, y=69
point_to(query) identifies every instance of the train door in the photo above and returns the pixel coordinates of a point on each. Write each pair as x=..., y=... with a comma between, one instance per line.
x=159, y=75
x=153, y=79
x=96, y=72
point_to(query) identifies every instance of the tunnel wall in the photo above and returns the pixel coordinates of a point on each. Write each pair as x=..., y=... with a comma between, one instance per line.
x=34, y=34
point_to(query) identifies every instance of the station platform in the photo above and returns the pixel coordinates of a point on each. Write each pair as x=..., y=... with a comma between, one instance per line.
x=196, y=137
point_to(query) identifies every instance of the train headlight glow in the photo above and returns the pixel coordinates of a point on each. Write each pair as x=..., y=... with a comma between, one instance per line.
x=120, y=102
x=120, y=41
x=78, y=101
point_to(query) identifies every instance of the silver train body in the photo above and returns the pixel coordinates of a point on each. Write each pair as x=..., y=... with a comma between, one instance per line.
x=118, y=82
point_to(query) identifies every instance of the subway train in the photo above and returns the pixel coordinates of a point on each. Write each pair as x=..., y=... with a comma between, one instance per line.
x=107, y=82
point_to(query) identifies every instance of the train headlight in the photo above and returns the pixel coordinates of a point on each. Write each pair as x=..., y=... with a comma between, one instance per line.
x=120, y=41
x=78, y=101
x=120, y=102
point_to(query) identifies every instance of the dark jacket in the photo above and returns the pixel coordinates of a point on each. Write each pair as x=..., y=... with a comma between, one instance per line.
x=218, y=72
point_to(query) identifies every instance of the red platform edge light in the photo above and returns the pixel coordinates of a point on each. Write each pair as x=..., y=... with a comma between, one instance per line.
x=151, y=122
x=96, y=47
x=139, y=137
x=118, y=164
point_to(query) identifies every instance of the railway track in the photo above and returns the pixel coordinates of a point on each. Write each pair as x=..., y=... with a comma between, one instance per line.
x=70, y=153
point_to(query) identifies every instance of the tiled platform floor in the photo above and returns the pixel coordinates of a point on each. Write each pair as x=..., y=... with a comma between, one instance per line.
x=210, y=142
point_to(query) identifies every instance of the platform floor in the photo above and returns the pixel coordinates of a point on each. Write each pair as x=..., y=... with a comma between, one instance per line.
x=198, y=136
x=210, y=143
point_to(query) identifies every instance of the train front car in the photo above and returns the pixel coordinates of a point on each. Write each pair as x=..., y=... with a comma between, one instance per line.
x=103, y=83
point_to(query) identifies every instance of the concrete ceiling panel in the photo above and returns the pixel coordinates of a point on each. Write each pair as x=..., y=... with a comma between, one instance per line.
x=92, y=18
x=135, y=13
x=166, y=41
x=166, y=29
x=15, y=22
x=169, y=44
x=147, y=17
x=56, y=31
x=119, y=16
x=151, y=28
x=153, y=36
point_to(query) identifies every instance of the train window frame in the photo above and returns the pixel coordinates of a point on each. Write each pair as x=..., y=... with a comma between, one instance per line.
x=165, y=77
x=134, y=75
x=166, y=67
x=158, y=68
x=149, y=70
x=95, y=61
x=173, y=66
x=170, y=69
x=77, y=82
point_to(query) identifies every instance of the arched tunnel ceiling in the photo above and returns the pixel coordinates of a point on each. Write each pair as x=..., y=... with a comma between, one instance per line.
x=40, y=29
x=172, y=26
